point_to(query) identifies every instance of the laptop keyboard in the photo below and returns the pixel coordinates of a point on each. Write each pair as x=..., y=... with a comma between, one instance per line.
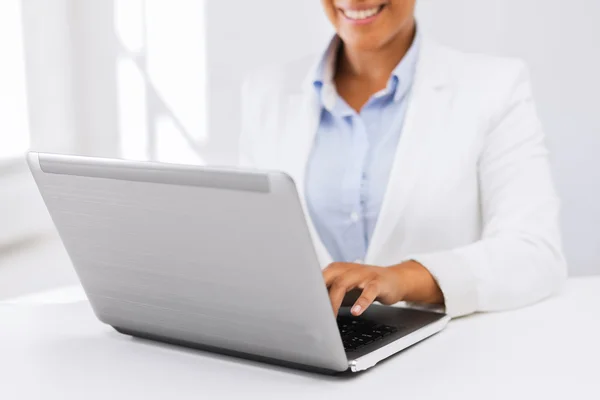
x=358, y=332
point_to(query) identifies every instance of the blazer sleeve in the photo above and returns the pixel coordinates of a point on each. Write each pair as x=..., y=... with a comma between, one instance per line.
x=518, y=260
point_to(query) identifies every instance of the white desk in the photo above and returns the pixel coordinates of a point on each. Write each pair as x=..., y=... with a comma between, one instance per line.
x=548, y=351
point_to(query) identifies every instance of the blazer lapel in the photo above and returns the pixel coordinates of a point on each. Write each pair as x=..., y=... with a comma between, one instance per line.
x=428, y=109
x=301, y=120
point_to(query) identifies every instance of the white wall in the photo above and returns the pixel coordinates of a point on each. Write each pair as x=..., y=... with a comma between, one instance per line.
x=559, y=39
x=49, y=100
x=48, y=54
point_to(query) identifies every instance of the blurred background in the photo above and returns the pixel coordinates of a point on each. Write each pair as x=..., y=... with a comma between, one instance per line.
x=160, y=80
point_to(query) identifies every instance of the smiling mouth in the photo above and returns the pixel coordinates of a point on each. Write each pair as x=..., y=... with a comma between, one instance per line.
x=361, y=15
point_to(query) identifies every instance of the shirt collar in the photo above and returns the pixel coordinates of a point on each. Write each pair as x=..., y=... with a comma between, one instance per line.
x=399, y=83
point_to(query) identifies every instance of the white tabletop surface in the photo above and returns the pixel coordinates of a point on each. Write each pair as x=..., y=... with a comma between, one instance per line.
x=53, y=348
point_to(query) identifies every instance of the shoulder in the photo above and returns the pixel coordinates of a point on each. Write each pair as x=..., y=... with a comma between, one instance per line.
x=481, y=75
x=477, y=67
x=488, y=84
x=265, y=111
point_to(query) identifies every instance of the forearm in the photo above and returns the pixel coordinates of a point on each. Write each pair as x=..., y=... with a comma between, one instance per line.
x=420, y=285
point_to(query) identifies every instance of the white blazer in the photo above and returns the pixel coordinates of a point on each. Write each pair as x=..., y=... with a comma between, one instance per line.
x=470, y=194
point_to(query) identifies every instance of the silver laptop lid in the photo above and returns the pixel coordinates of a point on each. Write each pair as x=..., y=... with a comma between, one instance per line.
x=218, y=257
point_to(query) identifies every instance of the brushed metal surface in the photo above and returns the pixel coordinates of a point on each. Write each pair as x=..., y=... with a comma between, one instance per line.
x=185, y=258
x=171, y=174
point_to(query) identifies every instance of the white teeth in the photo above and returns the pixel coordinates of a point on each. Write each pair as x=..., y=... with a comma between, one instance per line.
x=361, y=14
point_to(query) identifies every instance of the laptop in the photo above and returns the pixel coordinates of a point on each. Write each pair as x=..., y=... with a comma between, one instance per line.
x=212, y=258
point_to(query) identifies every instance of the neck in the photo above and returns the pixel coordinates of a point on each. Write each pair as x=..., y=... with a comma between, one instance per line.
x=375, y=65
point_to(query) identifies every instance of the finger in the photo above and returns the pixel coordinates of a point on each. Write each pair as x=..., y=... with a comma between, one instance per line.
x=342, y=285
x=368, y=296
x=333, y=271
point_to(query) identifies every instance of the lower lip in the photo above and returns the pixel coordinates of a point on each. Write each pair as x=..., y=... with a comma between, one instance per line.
x=361, y=21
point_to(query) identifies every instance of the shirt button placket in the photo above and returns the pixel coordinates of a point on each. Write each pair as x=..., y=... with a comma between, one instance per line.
x=357, y=215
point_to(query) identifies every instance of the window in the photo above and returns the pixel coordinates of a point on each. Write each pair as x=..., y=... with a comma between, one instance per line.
x=80, y=91
x=161, y=80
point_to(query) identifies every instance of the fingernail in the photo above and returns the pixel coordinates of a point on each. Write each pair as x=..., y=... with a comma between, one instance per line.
x=356, y=309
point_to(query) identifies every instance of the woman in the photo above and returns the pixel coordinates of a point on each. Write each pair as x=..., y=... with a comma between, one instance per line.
x=422, y=170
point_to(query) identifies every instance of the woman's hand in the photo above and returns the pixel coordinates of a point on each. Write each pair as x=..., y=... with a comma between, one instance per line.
x=409, y=281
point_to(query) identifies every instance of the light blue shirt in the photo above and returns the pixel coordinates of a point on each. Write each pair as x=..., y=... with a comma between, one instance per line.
x=352, y=157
